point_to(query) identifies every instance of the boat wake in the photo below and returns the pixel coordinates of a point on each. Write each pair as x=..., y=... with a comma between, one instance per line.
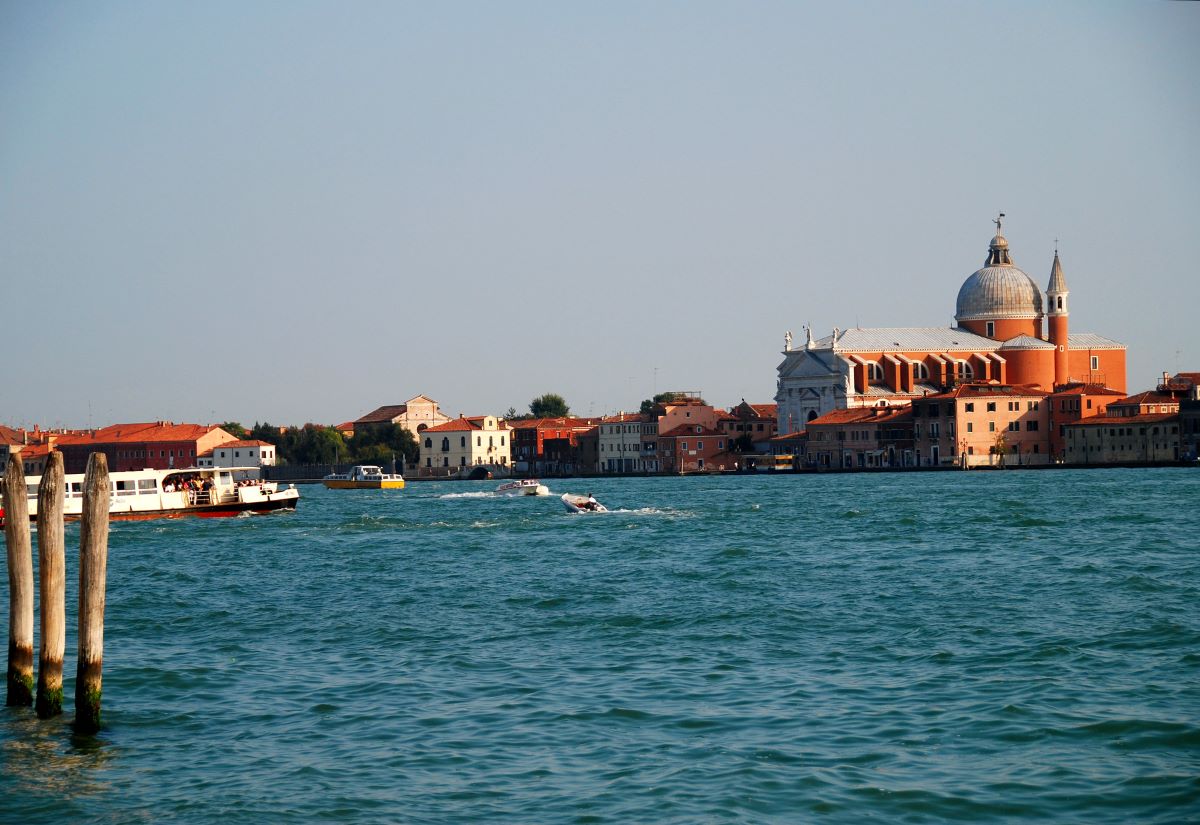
x=475, y=494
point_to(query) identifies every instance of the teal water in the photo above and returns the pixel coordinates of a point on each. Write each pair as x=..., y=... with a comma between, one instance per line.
x=978, y=647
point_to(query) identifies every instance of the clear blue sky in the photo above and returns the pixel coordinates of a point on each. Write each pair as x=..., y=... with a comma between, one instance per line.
x=294, y=211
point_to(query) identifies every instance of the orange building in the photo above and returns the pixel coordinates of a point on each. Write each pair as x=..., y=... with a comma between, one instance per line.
x=998, y=337
x=982, y=424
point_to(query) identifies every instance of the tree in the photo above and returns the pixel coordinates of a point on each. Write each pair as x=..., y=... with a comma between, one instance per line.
x=549, y=405
x=234, y=429
x=378, y=443
x=649, y=404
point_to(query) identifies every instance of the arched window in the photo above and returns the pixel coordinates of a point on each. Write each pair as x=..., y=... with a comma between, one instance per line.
x=462, y=442
x=429, y=444
x=874, y=371
x=812, y=414
x=445, y=445
x=920, y=371
x=963, y=371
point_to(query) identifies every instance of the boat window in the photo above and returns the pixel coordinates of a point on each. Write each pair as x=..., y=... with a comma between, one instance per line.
x=126, y=488
x=147, y=486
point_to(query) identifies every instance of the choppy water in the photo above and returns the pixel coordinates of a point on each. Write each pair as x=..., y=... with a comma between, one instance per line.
x=983, y=647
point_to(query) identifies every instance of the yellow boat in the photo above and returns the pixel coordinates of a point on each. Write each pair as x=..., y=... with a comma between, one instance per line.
x=364, y=477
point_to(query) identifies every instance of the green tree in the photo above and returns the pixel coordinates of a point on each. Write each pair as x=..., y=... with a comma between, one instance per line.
x=378, y=443
x=549, y=405
x=234, y=429
x=649, y=404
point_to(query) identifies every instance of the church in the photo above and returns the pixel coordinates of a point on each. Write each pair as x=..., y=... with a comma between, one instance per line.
x=997, y=337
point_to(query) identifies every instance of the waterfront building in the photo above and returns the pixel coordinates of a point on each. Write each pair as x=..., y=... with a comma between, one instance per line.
x=864, y=437
x=1072, y=404
x=753, y=424
x=415, y=415
x=245, y=453
x=547, y=445
x=694, y=448
x=998, y=336
x=1189, y=424
x=467, y=442
x=982, y=424
x=1125, y=439
x=628, y=443
x=158, y=445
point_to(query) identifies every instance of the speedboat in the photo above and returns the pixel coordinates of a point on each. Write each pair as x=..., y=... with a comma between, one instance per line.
x=364, y=477
x=523, y=487
x=582, y=504
x=195, y=491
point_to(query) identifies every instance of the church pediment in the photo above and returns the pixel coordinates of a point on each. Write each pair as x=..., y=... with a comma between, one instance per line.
x=807, y=364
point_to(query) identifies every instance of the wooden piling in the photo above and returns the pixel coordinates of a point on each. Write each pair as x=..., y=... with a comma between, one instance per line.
x=20, y=586
x=52, y=580
x=93, y=566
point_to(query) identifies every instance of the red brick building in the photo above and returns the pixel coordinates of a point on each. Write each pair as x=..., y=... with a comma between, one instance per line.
x=159, y=445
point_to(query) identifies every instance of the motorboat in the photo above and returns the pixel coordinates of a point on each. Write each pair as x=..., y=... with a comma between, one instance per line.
x=364, y=477
x=194, y=491
x=523, y=487
x=582, y=504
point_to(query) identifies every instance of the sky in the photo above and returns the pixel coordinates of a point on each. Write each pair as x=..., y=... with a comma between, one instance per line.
x=299, y=211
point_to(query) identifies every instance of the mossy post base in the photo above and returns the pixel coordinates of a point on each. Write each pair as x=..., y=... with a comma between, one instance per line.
x=52, y=578
x=20, y=675
x=87, y=698
x=93, y=570
x=20, y=586
x=49, y=692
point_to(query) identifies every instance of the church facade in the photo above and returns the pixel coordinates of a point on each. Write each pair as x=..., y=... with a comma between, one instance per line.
x=998, y=337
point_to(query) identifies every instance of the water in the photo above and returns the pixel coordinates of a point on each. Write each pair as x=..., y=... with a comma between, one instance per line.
x=982, y=647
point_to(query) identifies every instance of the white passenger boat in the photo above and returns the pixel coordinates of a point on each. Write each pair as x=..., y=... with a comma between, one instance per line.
x=364, y=477
x=582, y=504
x=196, y=491
x=523, y=487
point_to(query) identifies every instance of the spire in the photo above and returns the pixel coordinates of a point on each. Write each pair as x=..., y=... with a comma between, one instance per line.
x=1058, y=283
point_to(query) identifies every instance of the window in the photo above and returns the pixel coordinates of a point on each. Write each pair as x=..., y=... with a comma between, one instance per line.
x=683, y=446
x=970, y=427
x=445, y=445
x=721, y=444
x=991, y=426
x=991, y=406
x=933, y=430
x=1031, y=426
x=428, y=445
x=1033, y=405
x=970, y=406
x=991, y=329
x=920, y=371
x=1095, y=362
x=1014, y=426
x=699, y=445
x=462, y=442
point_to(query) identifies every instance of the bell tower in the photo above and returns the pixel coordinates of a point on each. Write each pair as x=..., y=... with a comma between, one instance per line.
x=1056, y=295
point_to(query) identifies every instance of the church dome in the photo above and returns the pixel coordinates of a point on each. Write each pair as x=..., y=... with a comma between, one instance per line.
x=999, y=289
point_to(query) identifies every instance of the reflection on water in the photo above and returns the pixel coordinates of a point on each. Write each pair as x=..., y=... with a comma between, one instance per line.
x=45, y=758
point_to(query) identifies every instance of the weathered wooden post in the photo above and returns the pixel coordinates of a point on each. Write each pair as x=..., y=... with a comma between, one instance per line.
x=20, y=586
x=93, y=566
x=52, y=578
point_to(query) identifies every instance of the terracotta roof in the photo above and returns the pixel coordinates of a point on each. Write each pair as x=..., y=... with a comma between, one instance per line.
x=157, y=431
x=766, y=410
x=1121, y=421
x=1087, y=389
x=345, y=425
x=628, y=418
x=1148, y=397
x=551, y=423
x=10, y=436
x=456, y=425
x=245, y=444
x=991, y=390
x=383, y=415
x=861, y=415
x=791, y=436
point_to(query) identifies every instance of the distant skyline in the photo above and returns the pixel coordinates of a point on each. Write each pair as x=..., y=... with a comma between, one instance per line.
x=299, y=211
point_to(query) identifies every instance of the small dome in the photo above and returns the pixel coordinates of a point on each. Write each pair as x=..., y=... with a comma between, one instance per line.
x=999, y=290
